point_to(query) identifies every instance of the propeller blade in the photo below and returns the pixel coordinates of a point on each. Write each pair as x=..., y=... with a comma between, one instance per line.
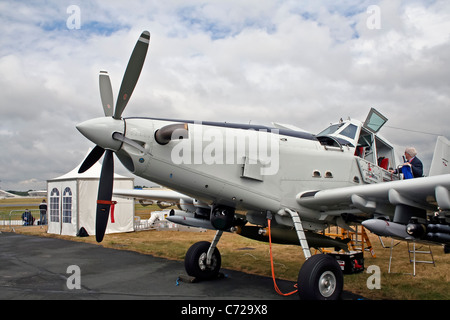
x=132, y=73
x=91, y=159
x=104, y=197
x=106, y=93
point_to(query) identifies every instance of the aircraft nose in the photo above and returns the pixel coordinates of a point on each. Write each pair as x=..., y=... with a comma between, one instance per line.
x=100, y=131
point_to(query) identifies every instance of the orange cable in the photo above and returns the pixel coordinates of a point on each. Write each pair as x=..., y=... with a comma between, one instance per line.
x=273, y=272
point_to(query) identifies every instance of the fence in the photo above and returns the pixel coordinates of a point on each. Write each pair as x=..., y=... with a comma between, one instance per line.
x=14, y=218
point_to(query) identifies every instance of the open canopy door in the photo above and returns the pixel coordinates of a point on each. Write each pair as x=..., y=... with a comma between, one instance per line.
x=374, y=121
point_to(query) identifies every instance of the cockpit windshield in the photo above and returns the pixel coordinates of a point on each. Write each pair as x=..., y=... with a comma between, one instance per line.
x=350, y=131
x=330, y=130
x=345, y=130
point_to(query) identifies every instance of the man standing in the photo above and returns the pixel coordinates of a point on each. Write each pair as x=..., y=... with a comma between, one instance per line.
x=413, y=167
x=414, y=162
x=43, y=209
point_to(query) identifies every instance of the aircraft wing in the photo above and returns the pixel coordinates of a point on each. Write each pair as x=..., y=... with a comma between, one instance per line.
x=148, y=194
x=427, y=193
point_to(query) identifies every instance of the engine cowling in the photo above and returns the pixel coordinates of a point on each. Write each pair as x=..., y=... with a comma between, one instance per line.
x=176, y=131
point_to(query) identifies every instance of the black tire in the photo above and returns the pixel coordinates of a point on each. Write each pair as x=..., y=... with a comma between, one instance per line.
x=320, y=278
x=195, y=261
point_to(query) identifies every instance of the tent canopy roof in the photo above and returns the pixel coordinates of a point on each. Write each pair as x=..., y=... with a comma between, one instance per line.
x=92, y=173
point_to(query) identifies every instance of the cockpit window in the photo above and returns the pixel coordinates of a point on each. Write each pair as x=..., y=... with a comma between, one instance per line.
x=350, y=131
x=330, y=130
x=375, y=120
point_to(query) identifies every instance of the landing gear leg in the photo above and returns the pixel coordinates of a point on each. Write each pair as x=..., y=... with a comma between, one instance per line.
x=320, y=277
x=212, y=247
x=203, y=259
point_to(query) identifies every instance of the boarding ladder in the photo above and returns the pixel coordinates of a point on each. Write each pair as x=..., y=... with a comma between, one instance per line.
x=414, y=251
x=412, y=254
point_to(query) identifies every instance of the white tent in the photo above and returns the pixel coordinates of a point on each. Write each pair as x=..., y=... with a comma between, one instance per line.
x=72, y=203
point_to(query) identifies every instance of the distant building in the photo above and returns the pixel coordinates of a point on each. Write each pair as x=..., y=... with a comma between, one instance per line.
x=38, y=193
x=4, y=194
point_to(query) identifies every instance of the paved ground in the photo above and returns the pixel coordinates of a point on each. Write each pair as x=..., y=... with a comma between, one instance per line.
x=34, y=267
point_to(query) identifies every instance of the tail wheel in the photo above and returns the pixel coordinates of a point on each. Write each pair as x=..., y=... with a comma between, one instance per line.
x=195, y=261
x=320, y=278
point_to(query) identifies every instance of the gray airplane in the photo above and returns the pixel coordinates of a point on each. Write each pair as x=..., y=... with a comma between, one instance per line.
x=293, y=181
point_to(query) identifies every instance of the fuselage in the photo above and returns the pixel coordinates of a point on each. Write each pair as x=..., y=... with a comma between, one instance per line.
x=247, y=167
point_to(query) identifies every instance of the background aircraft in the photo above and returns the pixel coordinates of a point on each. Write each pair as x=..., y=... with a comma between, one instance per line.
x=288, y=179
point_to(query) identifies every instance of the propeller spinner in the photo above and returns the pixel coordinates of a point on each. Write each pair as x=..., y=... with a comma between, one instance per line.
x=108, y=132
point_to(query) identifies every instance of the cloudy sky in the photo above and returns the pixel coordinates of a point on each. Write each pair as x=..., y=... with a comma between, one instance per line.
x=306, y=63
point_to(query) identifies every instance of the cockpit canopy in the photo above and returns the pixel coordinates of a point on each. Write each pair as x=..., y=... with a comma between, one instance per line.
x=374, y=121
x=363, y=138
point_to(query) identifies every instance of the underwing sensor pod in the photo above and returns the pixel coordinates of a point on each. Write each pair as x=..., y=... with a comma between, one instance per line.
x=222, y=217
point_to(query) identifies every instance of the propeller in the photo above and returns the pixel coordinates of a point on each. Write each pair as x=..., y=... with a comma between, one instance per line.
x=104, y=195
x=132, y=73
x=129, y=81
x=106, y=93
x=91, y=159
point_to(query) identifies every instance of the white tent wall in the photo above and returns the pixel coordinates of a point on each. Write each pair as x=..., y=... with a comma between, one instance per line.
x=87, y=191
x=123, y=211
x=72, y=203
x=62, y=214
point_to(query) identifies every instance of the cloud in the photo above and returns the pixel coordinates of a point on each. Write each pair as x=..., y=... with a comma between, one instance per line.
x=307, y=63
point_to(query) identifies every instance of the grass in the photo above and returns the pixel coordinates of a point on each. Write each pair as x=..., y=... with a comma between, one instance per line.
x=12, y=208
x=19, y=204
x=238, y=253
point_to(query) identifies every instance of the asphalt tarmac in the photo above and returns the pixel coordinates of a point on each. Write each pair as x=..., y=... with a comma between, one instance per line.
x=33, y=267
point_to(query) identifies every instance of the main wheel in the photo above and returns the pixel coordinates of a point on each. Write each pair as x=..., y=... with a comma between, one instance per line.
x=195, y=261
x=320, y=278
